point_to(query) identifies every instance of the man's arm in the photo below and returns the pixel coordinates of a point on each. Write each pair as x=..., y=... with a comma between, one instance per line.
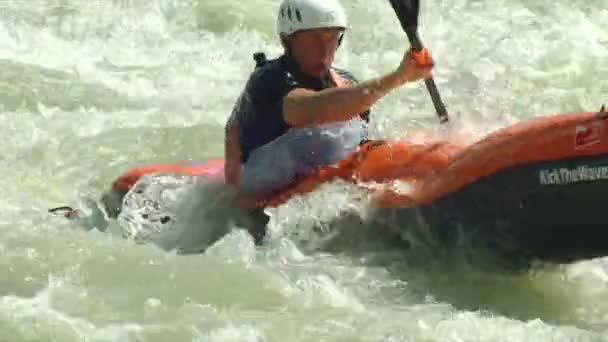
x=232, y=167
x=232, y=151
x=303, y=107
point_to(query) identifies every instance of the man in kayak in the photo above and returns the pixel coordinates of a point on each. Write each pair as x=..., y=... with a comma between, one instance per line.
x=298, y=112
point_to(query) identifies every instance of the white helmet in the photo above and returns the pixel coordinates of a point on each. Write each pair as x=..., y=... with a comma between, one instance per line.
x=296, y=15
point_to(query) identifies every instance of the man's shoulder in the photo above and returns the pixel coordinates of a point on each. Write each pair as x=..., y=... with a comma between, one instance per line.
x=270, y=72
x=269, y=82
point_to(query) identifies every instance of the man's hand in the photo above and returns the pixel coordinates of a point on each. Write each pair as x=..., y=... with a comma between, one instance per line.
x=415, y=65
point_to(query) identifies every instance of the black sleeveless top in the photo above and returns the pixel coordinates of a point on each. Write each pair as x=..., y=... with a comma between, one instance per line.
x=259, y=108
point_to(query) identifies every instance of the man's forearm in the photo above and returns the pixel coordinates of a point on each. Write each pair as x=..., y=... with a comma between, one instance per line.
x=232, y=165
x=304, y=107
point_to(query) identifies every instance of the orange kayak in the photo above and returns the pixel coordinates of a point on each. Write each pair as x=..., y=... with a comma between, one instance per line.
x=537, y=185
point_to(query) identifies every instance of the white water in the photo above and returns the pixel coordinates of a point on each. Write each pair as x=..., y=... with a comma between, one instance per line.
x=90, y=88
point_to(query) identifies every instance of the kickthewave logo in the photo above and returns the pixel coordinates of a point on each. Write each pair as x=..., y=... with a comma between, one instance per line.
x=567, y=176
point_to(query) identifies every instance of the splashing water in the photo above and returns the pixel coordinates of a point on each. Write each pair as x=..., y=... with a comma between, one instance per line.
x=91, y=88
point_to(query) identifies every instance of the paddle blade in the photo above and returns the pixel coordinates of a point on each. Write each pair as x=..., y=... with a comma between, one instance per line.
x=407, y=12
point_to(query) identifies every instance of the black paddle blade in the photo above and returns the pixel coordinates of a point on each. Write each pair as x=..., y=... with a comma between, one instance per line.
x=407, y=12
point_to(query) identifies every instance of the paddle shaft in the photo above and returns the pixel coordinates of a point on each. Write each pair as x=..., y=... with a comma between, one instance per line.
x=407, y=12
x=442, y=113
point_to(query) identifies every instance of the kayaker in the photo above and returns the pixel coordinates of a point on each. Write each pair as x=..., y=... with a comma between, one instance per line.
x=298, y=112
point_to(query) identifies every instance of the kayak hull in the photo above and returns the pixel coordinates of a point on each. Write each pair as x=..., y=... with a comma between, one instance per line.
x=521, y=214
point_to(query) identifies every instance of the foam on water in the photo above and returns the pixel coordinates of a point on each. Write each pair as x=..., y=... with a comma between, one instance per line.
x=90, y=88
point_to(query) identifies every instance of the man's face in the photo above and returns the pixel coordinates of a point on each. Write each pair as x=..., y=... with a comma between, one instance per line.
x=314, y=50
